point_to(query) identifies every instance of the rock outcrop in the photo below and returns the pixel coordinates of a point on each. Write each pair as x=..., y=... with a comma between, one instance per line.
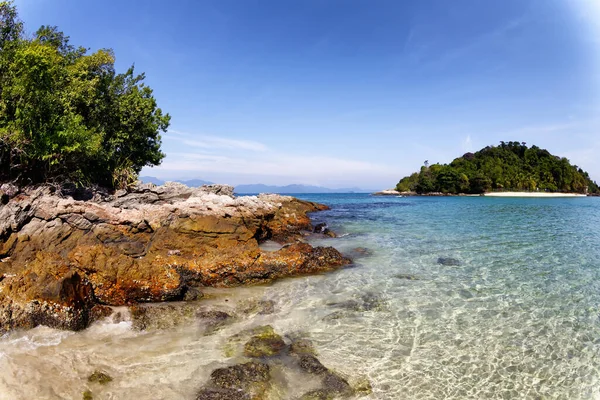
x=66, y=255
x=387, y=192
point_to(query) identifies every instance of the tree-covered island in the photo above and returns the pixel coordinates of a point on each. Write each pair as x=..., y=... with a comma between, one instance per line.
x=511, y=166
x=66, y=115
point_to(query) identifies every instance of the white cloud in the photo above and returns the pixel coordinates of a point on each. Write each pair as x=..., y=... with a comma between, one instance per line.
x=274, y=167
x=467, y=144
x=273, y=164
x=214, y=142
x=243, y=161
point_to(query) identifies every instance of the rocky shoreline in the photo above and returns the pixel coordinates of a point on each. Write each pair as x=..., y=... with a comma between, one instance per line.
x=67, y=255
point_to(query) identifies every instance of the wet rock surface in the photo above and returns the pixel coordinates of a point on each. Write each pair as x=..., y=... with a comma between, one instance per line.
x=317, y=394
x=323, y=229
x=171, y=315
x=66, y=251
x=261, y=307
x=214, y=319
x=46, y=295
x=362, y=386
x=243, y=381
x=99, y=377
x=264, y=343
x=302, y=346
x=335, y=384
x=311, y=364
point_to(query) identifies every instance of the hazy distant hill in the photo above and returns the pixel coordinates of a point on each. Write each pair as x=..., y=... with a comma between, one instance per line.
x=190, y=183
x=260, y=188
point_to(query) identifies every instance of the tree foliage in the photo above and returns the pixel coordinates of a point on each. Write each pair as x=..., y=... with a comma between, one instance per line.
x=67, y=115
x=511, y=166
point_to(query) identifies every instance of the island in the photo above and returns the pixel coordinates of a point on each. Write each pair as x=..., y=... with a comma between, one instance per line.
x=510, y=169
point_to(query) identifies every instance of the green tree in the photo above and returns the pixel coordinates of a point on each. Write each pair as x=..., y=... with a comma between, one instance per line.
x=67, y=115
x=480, y=184
x=425, y=184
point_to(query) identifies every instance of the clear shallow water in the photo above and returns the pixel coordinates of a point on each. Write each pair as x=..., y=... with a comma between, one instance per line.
x=519, y=318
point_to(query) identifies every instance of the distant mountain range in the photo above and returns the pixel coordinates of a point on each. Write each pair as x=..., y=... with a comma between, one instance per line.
x=260, y=188
x=296, y=189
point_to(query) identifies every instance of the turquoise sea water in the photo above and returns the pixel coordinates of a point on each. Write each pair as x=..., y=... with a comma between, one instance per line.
x=518, y=318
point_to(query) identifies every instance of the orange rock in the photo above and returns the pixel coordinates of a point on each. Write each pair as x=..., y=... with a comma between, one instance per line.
x=64, y=256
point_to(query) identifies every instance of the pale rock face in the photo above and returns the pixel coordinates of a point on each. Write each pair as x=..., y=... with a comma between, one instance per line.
x=150, y=243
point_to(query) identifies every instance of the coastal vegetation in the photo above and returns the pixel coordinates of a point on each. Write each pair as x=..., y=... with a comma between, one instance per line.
x=511, y=166
x=66, y=115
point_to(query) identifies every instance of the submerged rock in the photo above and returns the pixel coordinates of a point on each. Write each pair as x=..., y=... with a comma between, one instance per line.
x=448, y=261
x=302, y=346
x=334, y=383
x=372, y=301
x=264, y=343
x=262, y=307
x=335, y=316
x=87, y=395
x=99, y=377
x=317, y=394
x=309, y=363
x=365, y=302
x=300, y=358
x=362, y=386
x=213, y=320
x=170, y=315
x=241, y=376
x=243, y=381
x=358, y=252
x=161, y=316
x=221, y=394
x=406, y=276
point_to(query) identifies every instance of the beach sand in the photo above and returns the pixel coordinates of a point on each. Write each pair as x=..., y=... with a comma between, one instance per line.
x=532, y=194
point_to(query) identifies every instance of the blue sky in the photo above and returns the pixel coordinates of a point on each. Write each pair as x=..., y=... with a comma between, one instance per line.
x=350, y=93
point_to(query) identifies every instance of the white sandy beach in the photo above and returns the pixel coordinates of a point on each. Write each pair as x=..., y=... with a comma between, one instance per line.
x=532, y=194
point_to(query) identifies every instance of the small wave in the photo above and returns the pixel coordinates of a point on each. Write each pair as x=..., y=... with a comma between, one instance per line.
x=118, y=323
x=109, y=328
x=41, y=336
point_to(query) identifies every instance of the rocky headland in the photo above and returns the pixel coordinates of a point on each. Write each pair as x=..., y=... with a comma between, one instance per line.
x=66, y=255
